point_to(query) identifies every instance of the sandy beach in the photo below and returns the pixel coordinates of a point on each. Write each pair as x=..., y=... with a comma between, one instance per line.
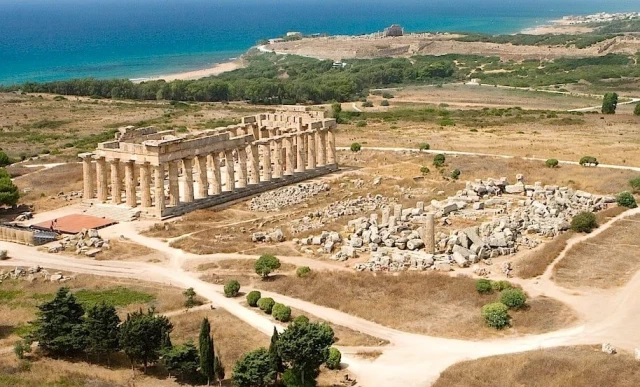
x=557, y=27
x=197, y=74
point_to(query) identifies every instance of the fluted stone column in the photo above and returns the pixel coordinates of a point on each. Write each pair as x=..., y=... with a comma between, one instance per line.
x=203, y=182
x=429, y=235
x=242, y=167
x=158, y=181
x=188, y=179
x=322, y=147
x=311, y=151
x=288, y=146
x=277, y=158
x=116, y=184
x=331, y=148
x=145, y=185
x=300, y=153
x=87, y=177
x=216, y=182
x=266, y=162
x=231, y=176
x=254, y=176
x=101, y=176
x=130, y=184
x=174, y=186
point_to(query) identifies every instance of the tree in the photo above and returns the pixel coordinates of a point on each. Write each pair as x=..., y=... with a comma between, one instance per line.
x=588, y=161
x=551, y=163
x=9, y=193
x=143, y=336
x=455, y=174
x=207, y=351
x=59, y=327
x=626, y=199
x=496, y=315
x=190, y=300
x=336, y=110
x=4, y=159
x=181, y=360
x=513, y=298
x=355, y=147
x=254, y=370
x=276, y=359
x=253, y=297
x=103, y=332
x=305, y=347
x=439, y=160
x=584, y=221
x=635, y=183
x=219, y=367
x=231, y=288
x=281, y=312
x=636, y=110
x=303, y=271
x=266, y=304
x=266, y=264
x=609, y=103
x=333, y=361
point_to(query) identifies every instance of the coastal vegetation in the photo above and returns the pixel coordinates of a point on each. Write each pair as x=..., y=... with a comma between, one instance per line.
x=579, y=41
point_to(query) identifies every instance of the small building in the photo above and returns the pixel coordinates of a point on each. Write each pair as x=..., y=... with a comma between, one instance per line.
x=276, y=40
x=294, y=34
x=339, y=65
x=394, y=30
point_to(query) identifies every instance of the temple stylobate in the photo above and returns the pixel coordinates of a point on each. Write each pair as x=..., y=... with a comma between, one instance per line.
x=162, y=174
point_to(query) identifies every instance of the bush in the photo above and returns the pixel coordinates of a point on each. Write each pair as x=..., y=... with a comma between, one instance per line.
x=302, y=319
x=584, y=222
x=367, y=104
x=439, y=160
x=513, y=298
x=626, y=199
x=496, y=315
x=424, y=146
x=551, y=163
x=266, y=304
x=636, y=110
x=253, y=297
x=231, y=288
x=499, y=286
x=387, y=95
x=281, y=312
x=635, y=183
x=483, y=286
x=355, y=147
x=303, y=271
x=424, y=170
x=266, y=264
x=589, y=161
x=361, y=124
x=4, y=159
x=333, y=361
x=455, y=174
x=384, y=102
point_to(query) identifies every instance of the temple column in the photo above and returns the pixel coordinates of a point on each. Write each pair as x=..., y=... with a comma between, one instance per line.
x=116, y=185
x=242, y=170
x=101, y=175
x=322, y=147
x=174, y=186
x=277, y=158
x=331, y=148
x=188, y=179
x=429, y=235
x=216, y=182
x=266, y=162
x=288, y=146
x=87, y=177
x=145, y=185
x=158, y=181
x=130, y=184
x=203, y=182
x=300, y=153
x=311, y=151
x=231, y=176
x=254, y=177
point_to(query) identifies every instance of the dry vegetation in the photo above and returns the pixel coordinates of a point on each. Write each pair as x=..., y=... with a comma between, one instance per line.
x=536, y=261
x=40, y=189
x=122, y=250
x=605, y=261
x=241, y=265
x=557, y=367
x=430, y=304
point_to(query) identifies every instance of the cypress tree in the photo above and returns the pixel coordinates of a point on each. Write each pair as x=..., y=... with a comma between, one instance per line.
x=276, y=360
x=219, y=368
x=207, y=354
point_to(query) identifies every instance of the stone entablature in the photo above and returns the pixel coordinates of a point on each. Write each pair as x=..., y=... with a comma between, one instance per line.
x=193, y=170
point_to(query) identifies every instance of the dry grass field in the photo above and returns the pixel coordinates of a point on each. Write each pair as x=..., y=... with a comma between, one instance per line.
x=240, y=265
x=430, y=304
x=40, y=189
x=582, y=366
x=609, y=260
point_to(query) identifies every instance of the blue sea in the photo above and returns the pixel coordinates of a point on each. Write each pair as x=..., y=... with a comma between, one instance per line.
x=42, y=40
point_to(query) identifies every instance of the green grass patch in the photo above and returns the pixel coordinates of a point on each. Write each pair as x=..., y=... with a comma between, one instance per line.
x=7, y=296
x=115, y=296
x=48, y=124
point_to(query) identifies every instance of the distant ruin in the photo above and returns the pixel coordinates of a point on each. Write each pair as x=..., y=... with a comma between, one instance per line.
x=211, y=167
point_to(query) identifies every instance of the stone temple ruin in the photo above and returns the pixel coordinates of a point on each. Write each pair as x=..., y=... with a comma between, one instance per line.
x=210, y=167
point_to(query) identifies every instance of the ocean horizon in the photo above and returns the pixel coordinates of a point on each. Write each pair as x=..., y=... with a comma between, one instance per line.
x=46, y=40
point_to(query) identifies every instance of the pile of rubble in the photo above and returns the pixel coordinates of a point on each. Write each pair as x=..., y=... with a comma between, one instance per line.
x=24, y=216
x=69, y=196
x=273, y=236
x=87, y=242
x=272, y=201
x=31, y=274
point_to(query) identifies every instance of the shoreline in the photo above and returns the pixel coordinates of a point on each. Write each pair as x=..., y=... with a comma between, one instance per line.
x=217, y=69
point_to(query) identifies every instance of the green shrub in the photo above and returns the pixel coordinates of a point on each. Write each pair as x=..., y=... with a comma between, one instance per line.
x=333, y=361
x=424, y=146
x=266, y=304
x=513, y=298
x=499, y=286
x=361, y=124
x=584, y=221
x=355, y=147
x=483, y=286
x=424, y=170
x=303, y=271
x=439, y=160
x=384, y=102
x=626, y=199
x=281, y=312
x=455, y=174
x=636, y=110
x=302, y=319
x=589, y=161
x=266, y=264
x=551, y=163
x=367, y=104
x=231, y=288
x=253, y=297
x=4, y=159
x=496, y=315
x=635, y=183
x=387, y=95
